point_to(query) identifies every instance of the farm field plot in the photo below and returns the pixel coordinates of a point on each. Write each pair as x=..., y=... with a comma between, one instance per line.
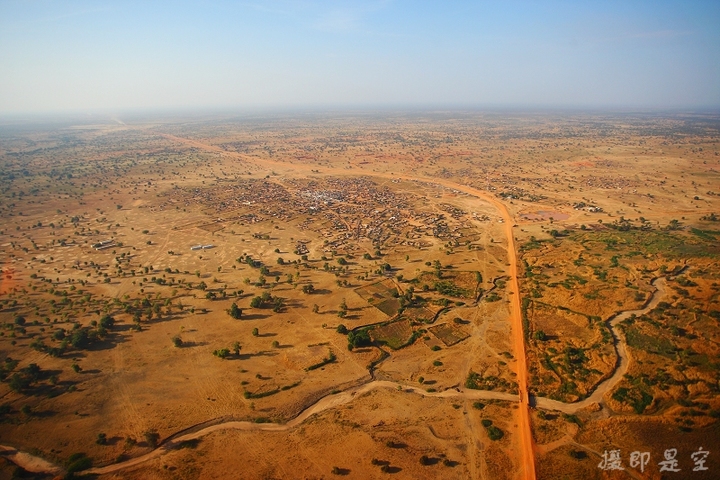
x=449, y=334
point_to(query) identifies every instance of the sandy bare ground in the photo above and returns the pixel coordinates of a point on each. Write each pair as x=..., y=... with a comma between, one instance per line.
x=39, y=465
x=328, y=402
x=35, y=464
x=29, y=462
x=526, y=440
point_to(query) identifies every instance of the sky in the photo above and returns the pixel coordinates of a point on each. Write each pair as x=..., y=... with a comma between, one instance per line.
x=117, y=55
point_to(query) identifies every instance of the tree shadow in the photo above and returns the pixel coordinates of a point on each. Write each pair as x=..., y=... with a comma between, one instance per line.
x=194, y=344
x=113, y=440
x=122, y=327
x=267, y=335
x=254, y=316
x=192, y=444
x=263, y=353
x=108, y=343
x=394, y=444
x=44, y=413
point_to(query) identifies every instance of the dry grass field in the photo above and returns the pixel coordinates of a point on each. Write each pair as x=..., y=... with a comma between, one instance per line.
x=313, y=297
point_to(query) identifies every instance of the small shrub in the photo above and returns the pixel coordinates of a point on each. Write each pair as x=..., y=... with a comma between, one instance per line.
x=152, y=438
x=495, y=433
x=578, y=454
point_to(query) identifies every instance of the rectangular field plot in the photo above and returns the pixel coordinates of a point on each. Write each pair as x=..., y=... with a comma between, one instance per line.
x=449, y=334
x=421, y=314
x=379, y=290
x=382, y=295
x=395, y=335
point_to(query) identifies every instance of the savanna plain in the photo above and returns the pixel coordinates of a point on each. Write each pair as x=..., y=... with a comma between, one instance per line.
x=430, y=295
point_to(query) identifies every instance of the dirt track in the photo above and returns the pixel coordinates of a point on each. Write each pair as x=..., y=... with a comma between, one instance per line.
x=328, y=402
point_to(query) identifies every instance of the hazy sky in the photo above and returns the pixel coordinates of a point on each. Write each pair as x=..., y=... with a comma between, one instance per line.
x=124, y=54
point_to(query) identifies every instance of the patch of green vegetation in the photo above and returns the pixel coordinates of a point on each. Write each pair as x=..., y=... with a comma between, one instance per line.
x=494, y=433
x=638, y=398
x=476, y=381
x=448, y=288
x=492, y=297
x=359, y=338
x=652, y=344
x=531, y=245
x=708, y=235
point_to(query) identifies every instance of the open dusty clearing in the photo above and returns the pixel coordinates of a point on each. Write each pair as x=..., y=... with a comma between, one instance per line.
x=182, y=278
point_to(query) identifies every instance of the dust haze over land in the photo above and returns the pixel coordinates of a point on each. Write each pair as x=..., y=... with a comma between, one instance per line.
x=430, y=294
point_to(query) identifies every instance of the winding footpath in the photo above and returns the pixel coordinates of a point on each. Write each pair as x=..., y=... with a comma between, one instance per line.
x=39, y=465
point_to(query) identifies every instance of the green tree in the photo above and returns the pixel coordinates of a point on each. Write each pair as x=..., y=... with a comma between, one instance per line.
x=234, y=311
x=221, y=353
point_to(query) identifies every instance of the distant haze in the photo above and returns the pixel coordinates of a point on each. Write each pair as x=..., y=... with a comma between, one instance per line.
x=75, y=55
